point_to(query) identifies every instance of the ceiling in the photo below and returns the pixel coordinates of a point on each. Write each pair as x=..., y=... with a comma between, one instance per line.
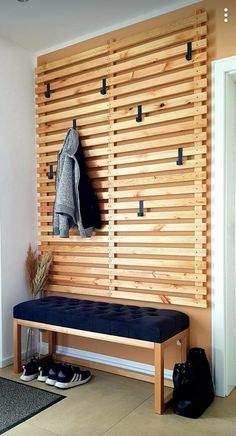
x=39, y=25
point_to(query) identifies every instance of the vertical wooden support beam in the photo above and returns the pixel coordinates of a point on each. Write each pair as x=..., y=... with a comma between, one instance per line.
x=111, y=189
x=198, y=183
x=51, y=342
x=16, y=346
x=159, y=403
x=44, y=184
x=184, y=346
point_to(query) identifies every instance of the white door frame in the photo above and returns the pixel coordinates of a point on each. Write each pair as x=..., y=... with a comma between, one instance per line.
x=223, y=286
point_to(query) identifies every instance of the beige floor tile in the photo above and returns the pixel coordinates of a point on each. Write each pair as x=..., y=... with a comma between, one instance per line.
x=8, y=373
x=116, y=406
x=25, y=429
x=219, y=420
x=93, y=408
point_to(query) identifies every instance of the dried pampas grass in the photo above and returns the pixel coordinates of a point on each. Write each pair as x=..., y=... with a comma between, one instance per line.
x=37, y=269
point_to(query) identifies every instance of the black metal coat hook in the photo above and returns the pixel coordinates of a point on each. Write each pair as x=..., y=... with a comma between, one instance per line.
x=103, y=89
x=48, y=90
x=139, y=115
x=141, y=208
x=50, y=174
x=188, y=55
x=180, y=156
x=74, y=124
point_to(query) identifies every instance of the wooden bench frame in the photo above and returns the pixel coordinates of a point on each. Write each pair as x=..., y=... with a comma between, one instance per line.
x=160, y=403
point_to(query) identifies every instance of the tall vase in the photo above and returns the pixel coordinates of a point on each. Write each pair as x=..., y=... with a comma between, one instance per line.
x=29, y=345
x=30, y=333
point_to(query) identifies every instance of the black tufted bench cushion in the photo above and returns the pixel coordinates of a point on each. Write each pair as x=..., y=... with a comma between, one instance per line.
x=146, y=323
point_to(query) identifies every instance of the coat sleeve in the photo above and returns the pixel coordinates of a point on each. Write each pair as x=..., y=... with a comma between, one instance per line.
x=64, y=208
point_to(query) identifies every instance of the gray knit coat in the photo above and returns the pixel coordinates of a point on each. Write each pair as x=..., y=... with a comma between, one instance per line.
x=67, y=205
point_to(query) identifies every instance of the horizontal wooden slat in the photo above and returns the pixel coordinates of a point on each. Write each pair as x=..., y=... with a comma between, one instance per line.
x=116, y=115
x=141, y=239
x=151, y=180
x=181, y=215
x=109, y=368
x=156, y=119
x=169, y=154
x=144, y=84
x=195, y=302
x=80, y=270
x=165, y=299
x=140, y=194
x=159, y=179
x=146, y=144
x=159, y=251
x=172, y=288
x=72, y=59
x=51, y=198
x=74, y=69
x=141, y=169
x=201, y=17
x=85, y=249
x=163, y=263
x=137, y=273
x=178, y=190
x=87, y=334
x=165, y=79
x=83, y=281
x=174, y=239
x=180, y=202
x=130, y=100
x=139, y=250
x=95, y=238
x=168, y=215
x=147, y=132
x=176, y=227
x=85, y=259
x=131, y=159
x=154, y=33
x=161, y=43
x=77, y=88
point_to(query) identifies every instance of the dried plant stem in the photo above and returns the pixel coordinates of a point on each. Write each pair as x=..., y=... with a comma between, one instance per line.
x=37, y=269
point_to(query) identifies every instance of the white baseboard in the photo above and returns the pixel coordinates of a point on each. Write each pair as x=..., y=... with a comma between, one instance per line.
x=9, y=360
x=106, y=360
x=6, y=361
x=95, y=357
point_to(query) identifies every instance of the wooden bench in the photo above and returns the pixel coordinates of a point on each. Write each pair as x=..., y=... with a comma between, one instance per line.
x=150, y=328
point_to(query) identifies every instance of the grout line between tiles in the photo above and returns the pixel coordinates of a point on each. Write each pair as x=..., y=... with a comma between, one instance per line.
x=45, y=429
x=125, y=416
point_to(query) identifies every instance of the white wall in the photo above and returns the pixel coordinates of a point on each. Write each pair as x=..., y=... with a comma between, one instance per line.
x=17, y=182
x=0, y=289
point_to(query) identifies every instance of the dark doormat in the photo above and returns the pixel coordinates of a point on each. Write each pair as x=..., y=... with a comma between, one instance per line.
x=19, y=402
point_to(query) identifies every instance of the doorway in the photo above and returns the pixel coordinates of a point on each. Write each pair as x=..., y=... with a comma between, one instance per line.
x=223, y=225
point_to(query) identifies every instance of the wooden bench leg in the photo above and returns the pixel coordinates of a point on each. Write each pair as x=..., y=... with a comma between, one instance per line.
x=159, y=403
x=51, y=342
x=17, y=346
x=185, y=346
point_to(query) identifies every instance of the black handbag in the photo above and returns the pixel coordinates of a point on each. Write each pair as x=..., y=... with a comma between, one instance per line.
x=193, y=386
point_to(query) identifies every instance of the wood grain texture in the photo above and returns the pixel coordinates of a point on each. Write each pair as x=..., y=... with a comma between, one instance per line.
x=160, y=257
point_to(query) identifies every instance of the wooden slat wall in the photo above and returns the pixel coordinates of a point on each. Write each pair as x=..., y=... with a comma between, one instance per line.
x=160, y=257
